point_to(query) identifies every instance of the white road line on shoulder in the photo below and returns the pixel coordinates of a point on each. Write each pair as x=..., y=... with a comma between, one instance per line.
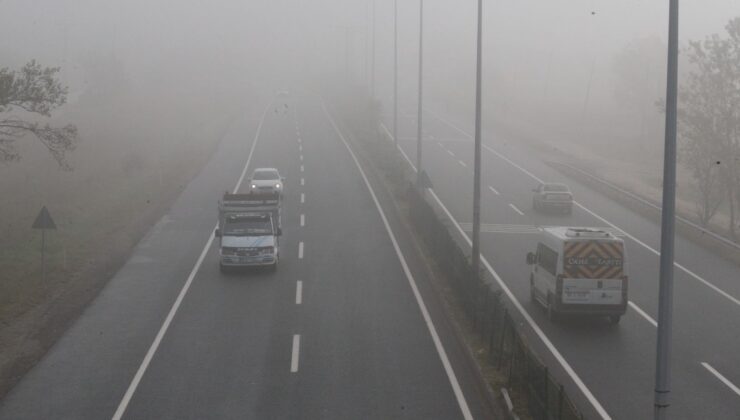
x=407, y=158
x=721, y=377
x=296, y=353
x=462, y=163
x=493, y=190
x=420, y=302
x=303, y=198
x=121, y=409
x=532, y=324
x=642, y=313
x=298, y=292
x=300, y=250
x=303, y=220
x=643, y=244
x=513, y=207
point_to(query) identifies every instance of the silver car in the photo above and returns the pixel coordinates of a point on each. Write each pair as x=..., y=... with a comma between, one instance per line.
x=266, y=180
x=554, y=196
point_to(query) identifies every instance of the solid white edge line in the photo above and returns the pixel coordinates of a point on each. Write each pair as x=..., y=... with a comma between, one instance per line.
x=303, y=220
x=721, y=377
x=121, y=410
x=642, y=313
x=300, y=250
x=407, y=158
x=295, y=353
x=654, y=251
x=513, y=207
x=493, y=190
x=545, y=340
x=422, y=306
x=298, y=292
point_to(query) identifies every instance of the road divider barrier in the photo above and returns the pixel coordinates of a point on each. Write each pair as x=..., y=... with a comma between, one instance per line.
x=527, y=379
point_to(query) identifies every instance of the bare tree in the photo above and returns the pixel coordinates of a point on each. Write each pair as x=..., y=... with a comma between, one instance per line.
x=709, y=114
x=33, y=90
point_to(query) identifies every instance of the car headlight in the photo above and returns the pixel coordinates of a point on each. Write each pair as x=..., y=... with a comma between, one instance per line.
x=254, y=186
x=268, y=250
x=278, y=186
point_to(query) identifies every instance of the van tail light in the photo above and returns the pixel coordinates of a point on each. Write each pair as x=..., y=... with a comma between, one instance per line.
x=559, y=286
x=625, y=286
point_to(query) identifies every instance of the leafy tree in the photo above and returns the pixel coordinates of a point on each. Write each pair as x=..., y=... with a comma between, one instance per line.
x=709, y=119
x=33, y=90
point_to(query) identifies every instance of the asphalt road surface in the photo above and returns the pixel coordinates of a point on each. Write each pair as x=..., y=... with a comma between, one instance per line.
x=609, y=371
x=346, y=328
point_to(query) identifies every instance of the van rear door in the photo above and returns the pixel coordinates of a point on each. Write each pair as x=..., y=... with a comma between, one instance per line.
x=593, y=272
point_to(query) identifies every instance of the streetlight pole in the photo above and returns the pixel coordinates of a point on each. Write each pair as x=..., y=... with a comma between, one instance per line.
x=667, y=232
x=372, y=56
x=419, y=111
x=395, y=72
x=476, y=169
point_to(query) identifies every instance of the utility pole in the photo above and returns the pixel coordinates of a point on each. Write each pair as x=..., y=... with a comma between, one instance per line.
x=372, y=56
x=668, y=221
x=395, y=72
x=476, y=169
x=419, y=169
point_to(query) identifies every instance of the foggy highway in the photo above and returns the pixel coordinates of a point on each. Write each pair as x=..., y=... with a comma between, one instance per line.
x=343, y=329
x=615, y=364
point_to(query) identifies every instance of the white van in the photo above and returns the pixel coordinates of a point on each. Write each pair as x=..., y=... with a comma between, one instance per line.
x=579, y=270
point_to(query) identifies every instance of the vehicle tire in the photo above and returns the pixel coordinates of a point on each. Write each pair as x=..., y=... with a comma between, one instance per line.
x=614, y=319
x=551, y=314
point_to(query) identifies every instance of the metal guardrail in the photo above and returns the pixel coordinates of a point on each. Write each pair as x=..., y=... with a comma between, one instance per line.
x=714, y=235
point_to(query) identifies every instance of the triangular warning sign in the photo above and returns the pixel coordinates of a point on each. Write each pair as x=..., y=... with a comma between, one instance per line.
x=44, y=220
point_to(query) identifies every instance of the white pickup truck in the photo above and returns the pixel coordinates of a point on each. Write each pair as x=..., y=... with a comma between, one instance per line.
x=248, y=229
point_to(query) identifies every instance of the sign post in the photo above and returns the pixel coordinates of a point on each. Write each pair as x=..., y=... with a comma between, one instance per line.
x=43, y=221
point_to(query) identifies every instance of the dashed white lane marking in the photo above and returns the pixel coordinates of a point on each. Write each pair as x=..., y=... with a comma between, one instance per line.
x=299, y=140
x=493, y=190
x=298, y=292
x=459, y=396
x=462, y=163
x=513, y=207
x=721, y=377
x=301, y=168
x=296, y=353
x=440, y=144
x=301, y=157
x=303, y=220
x=450, y=152
x=303, y=198
x=300, y=148
x=303, y=181
x=121, y=409
x=300, y=250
